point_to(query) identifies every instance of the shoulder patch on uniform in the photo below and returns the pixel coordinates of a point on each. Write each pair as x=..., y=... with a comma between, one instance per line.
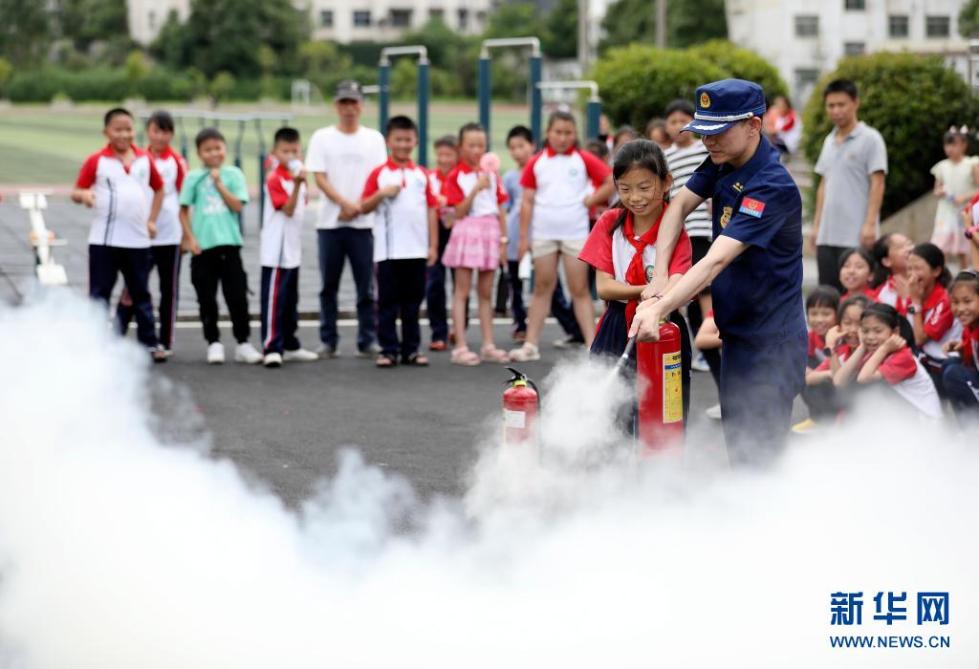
x=752, y=207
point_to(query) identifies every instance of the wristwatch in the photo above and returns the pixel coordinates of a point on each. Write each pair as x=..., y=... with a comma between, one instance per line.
x=912, y=310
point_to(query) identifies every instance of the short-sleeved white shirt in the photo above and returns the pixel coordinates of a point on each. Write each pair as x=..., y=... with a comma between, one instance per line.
x=281, y=239
x=172, y=169
x=122, y=197
x=401, y=224
x=562, y=181
x=346, y=159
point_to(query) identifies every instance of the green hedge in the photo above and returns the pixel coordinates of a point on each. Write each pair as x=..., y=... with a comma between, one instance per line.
x=912, y=100
x=638, y=81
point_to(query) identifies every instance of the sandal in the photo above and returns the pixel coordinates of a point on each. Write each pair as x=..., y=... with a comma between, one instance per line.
x=463, y=356
x=438, y=345
x=490, y=353
x=415, y=359
x=385, y=361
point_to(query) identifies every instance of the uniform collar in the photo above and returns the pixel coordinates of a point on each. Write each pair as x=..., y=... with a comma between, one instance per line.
x=111, y=153
x=551, y=152
x=736, y=178
x=934, y=297
x=166, y=153
x=857, y=129
x=465, y=168
x=400, y=166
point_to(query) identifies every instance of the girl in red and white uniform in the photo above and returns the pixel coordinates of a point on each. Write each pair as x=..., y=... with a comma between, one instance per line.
x=891, y=273
x=960, y=379
x=884, y=355
x=856, y=271
x=622, y=249
x=929, y=309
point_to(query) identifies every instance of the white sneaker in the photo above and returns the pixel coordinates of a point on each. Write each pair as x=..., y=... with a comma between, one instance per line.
x=247, y=354
x=300, y=355
x=699, y=363
x=215, y=353
x=714, y=412
x=526, y=353
x=272, y=360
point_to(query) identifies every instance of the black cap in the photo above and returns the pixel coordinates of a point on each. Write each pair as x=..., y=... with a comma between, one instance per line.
x=349, y=90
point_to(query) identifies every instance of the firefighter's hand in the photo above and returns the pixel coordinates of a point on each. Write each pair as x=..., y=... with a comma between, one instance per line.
x=649, y=293
x=645, y=326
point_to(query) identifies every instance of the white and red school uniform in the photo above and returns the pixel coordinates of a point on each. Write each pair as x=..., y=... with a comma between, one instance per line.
x=629, y=258
x=970, y=346
x=815, y=351
x=280, y=253
x=561, y=182
x=122, y=197
x=939, y=323
x=867, y=292
x=842, y=350
x=435, y=181
x=887, y=293
x=172, y=169
x=909, y=379
x=401, y=226
x=475, y=239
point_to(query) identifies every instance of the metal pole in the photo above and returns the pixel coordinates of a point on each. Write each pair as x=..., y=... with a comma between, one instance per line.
x=593, y=115
x=383, y=93
x=261, y=173
x=423, y=88
x=183, y=137
x=661, y=24
x=536, y=99
x=583, y=36
x=485, y=92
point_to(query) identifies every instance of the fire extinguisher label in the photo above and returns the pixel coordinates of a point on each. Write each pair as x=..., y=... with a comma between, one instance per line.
x=516, y=419
x=672, y=388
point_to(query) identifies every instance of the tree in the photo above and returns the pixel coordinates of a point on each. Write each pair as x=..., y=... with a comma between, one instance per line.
x=87, y=21
x=516, y=19
x=170, y=45
x=742, y=64
x=911, y=99
x=969, y=19
x=638, y=81
x=24, y=31
x=688, y=22
x=560, y=36
x=225, y=35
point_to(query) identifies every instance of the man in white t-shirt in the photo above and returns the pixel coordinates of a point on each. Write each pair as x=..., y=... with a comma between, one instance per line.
x=340, y=157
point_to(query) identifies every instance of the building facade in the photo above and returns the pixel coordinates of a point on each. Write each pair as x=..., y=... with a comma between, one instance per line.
x=805, y=39
x=339, y=20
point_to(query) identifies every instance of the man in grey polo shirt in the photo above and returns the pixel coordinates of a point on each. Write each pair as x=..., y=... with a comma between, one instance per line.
x=852, y=165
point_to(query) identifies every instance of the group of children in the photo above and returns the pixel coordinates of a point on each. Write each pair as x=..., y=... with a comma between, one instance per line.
x=903, y=320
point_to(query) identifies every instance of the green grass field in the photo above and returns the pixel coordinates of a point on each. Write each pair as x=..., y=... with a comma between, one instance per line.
x=43, y=146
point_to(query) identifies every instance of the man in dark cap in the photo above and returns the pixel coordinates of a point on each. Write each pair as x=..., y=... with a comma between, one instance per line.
x=754, y=268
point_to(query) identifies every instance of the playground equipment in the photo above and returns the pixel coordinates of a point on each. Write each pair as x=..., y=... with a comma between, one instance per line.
x=485, y=81
x=49, y=273
x=384, y=92
x=593, y=109
x=241, y=123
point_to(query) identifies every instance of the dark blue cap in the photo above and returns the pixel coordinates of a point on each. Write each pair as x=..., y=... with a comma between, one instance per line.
x=721, y=104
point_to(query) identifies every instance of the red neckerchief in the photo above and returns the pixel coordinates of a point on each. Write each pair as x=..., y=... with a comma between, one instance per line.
x=635, y=274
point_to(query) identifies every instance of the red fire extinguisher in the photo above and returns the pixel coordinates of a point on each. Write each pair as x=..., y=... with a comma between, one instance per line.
x=659, y=389
x=521, y=404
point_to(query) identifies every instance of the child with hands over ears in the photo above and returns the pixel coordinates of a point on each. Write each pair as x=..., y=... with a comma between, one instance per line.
x=891, y=253
x=477, y=243
x=929, y=309
x=884, y=355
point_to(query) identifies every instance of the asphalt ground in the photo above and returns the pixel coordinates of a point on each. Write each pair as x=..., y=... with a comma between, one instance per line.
x=285, y=427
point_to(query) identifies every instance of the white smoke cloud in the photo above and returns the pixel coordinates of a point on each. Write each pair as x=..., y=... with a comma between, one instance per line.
x=117, y=550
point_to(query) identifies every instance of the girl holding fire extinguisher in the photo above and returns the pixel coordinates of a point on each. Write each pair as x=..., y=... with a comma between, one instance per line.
x=622, y=249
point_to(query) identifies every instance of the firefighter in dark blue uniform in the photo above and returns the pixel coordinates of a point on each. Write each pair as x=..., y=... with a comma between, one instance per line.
x=754, y=268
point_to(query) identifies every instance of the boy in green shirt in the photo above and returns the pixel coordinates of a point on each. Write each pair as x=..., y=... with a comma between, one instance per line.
x=210, y=200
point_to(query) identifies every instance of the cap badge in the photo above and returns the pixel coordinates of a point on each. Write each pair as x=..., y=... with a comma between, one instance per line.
x=704, y=100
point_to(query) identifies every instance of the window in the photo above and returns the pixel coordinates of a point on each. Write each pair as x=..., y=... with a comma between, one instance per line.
x=326, y=18
x=151, y=20
x=436, y=15
x=400, y=18
x=854, y=48
x=855, y=5
x=362, y=18
x=897, y=26
x=463, y=19
x=937, y=26
x=807, y=26
x=805, y=78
